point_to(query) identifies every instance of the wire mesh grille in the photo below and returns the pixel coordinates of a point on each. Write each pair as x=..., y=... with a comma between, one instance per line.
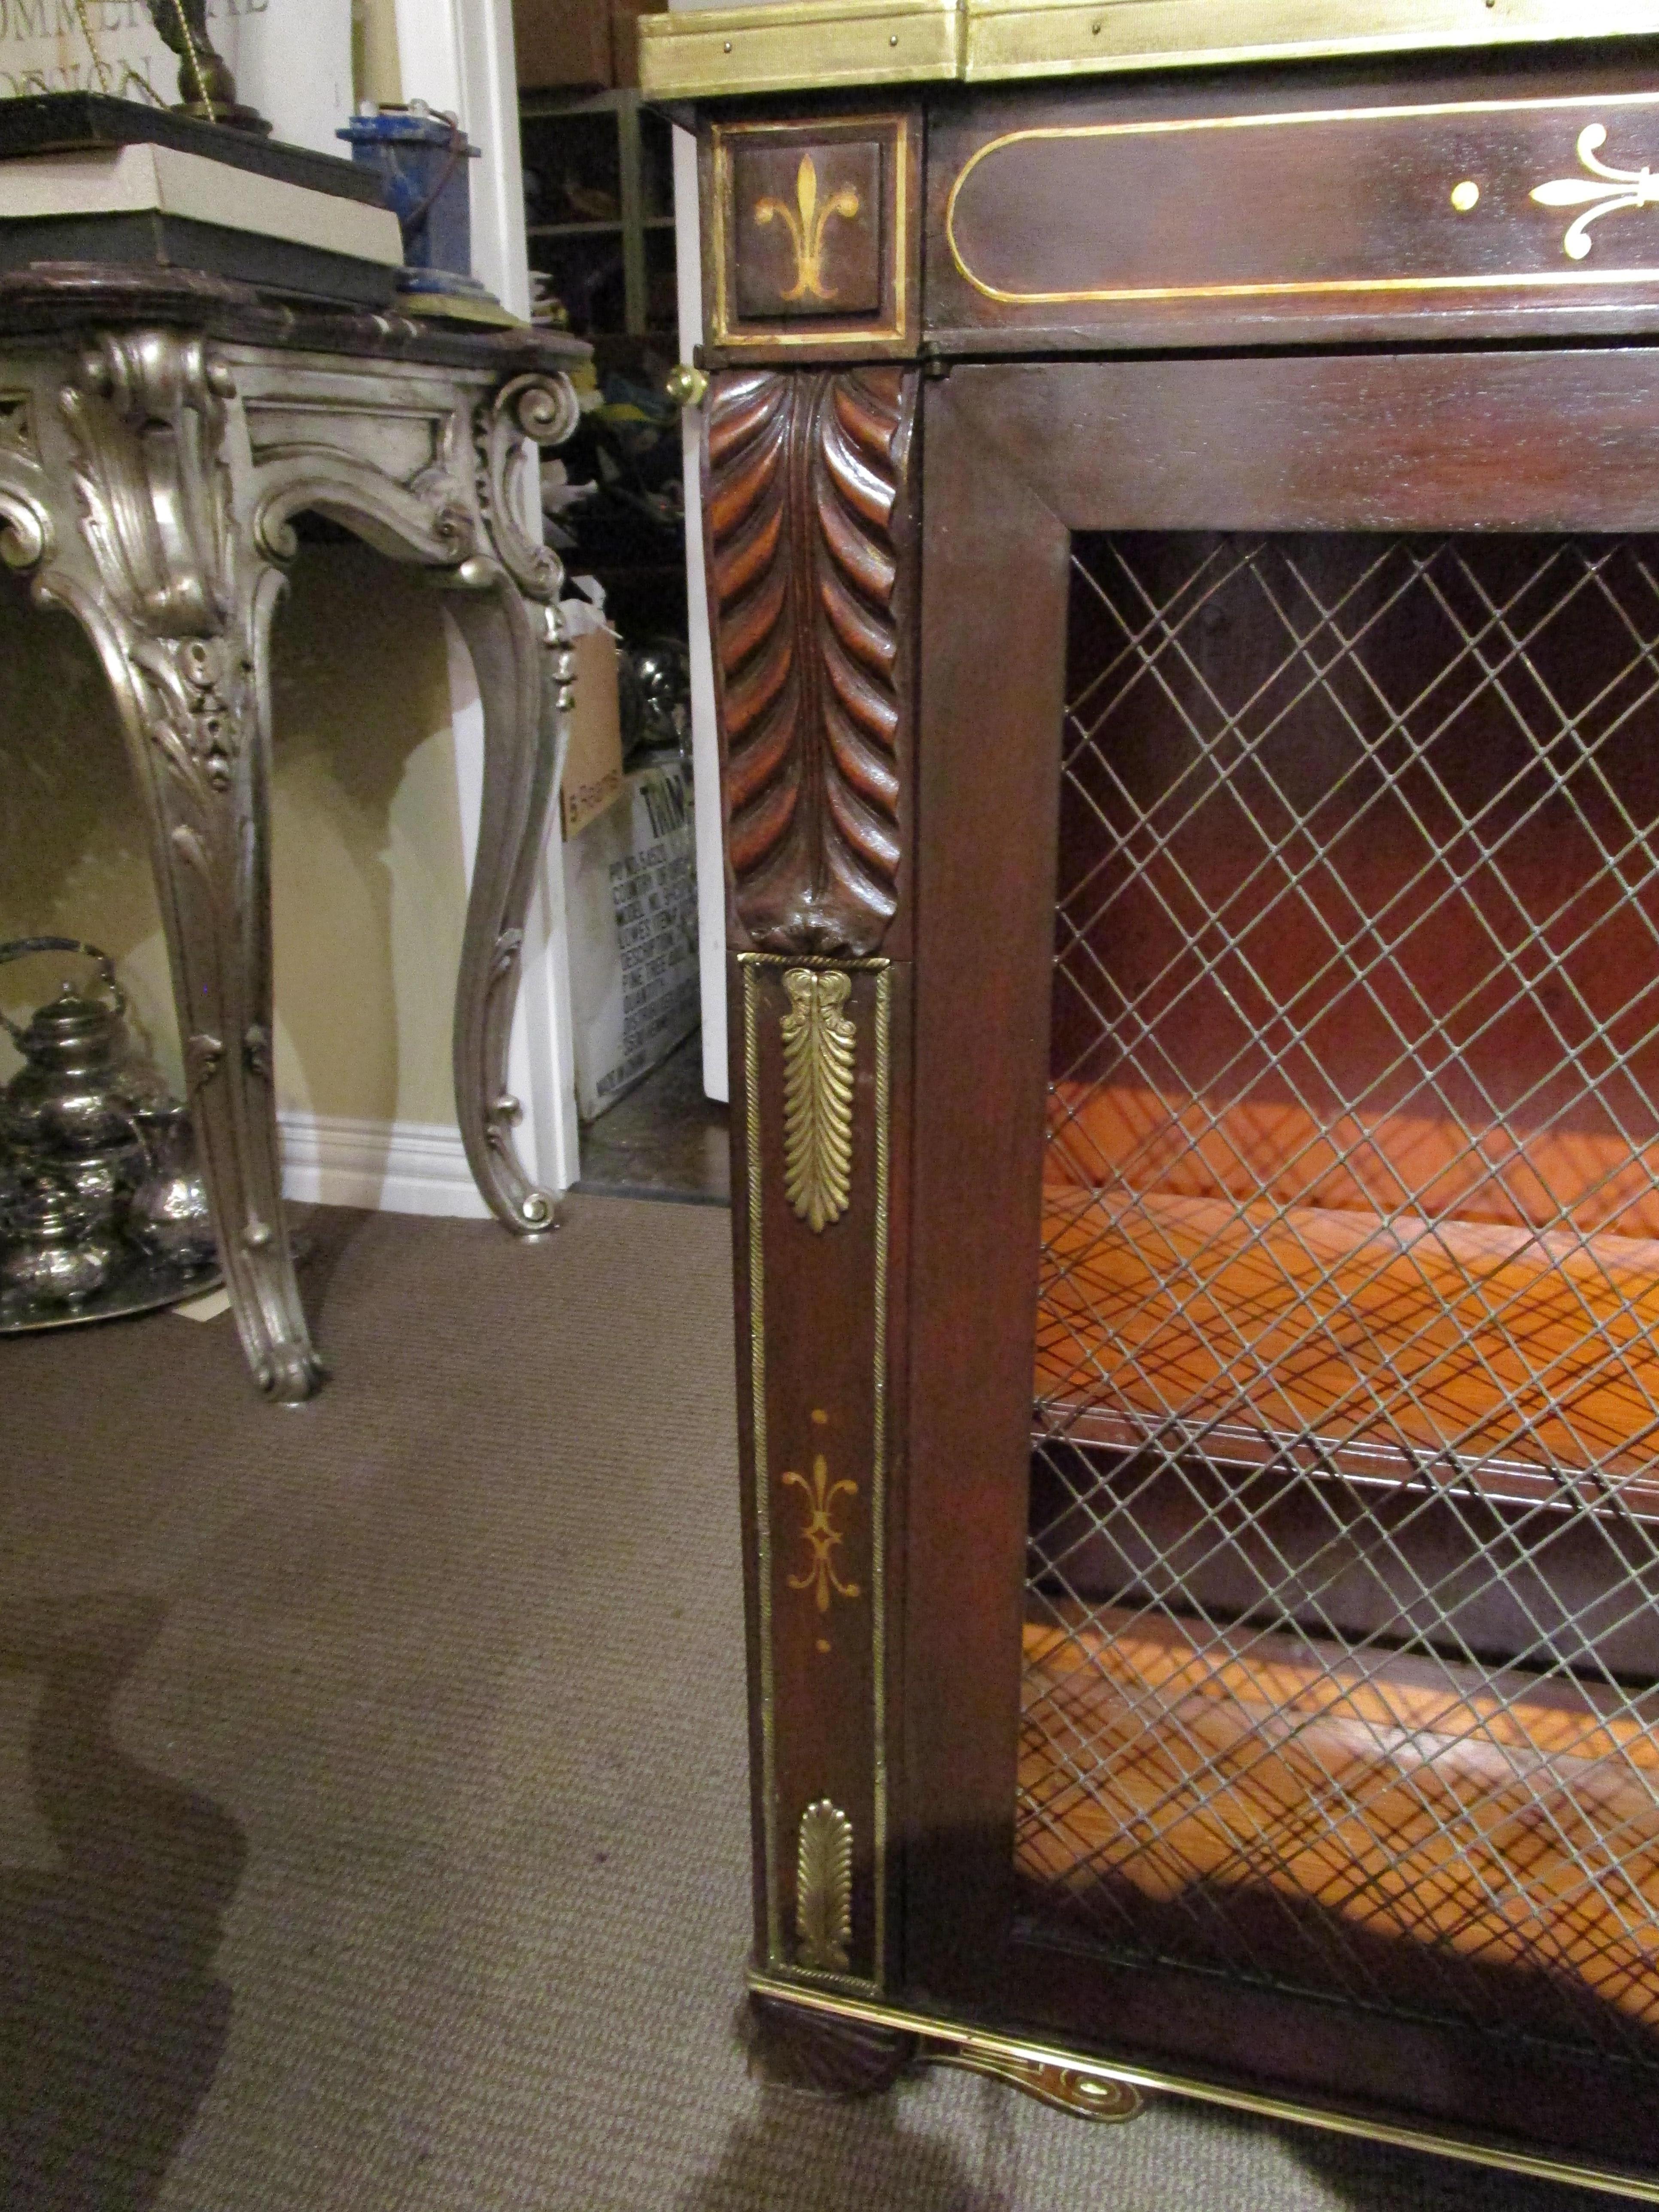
x=1340, y=1656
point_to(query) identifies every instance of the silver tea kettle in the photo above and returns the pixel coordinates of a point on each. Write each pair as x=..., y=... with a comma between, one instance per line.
x=71, y=1104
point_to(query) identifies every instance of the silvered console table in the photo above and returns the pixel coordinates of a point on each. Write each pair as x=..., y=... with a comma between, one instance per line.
x=158, y=433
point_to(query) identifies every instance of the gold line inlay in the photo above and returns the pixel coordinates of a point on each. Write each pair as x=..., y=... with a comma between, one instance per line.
x=762, y=1499
x=1292, y=287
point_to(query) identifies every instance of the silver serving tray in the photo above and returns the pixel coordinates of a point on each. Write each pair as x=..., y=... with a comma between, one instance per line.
x=144, y=1287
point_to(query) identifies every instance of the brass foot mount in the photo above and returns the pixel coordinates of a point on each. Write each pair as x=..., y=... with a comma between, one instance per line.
x=1075, y=2090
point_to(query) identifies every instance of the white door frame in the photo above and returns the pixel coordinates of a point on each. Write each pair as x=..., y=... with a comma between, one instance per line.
x=458, y=55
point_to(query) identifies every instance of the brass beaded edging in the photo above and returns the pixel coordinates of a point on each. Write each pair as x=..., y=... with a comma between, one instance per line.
x=934, y=2029
x=750, y=964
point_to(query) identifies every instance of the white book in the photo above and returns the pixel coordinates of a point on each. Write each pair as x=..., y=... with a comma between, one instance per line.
x=145, y=179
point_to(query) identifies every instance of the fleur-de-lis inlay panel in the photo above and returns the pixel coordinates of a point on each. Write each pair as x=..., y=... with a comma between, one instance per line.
x=1606, y=191
x=806, y=223
x=819, y=1533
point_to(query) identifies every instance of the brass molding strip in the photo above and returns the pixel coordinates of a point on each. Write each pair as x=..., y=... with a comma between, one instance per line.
x=1071, y=38
x=806, y=45
x=792, y=46
x=1022, y=2050
x=881, y=968
x=1521, y=280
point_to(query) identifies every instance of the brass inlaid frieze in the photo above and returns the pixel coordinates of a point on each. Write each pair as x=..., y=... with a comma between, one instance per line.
x=819, y=1052
x=1373, y=217
x=824, y=1889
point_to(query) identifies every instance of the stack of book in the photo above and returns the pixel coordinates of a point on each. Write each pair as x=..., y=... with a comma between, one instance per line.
x=86, y=178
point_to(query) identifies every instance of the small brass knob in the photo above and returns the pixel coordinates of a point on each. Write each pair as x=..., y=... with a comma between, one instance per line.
x=686, y=386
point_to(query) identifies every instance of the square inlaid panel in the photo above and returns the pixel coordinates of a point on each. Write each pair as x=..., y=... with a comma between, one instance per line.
x=810, y=228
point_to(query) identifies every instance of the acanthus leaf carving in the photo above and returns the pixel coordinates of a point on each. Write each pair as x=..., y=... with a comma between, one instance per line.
x=807, y=491
x=146, y=410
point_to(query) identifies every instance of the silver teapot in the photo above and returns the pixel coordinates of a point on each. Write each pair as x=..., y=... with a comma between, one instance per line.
x=69, y=1107
x=59, y=1255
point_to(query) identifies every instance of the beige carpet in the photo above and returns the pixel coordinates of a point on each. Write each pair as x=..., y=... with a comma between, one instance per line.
x=372, y=1781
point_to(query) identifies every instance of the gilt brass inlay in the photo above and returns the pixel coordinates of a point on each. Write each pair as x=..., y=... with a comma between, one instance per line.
x=752, y=966
x=819, y=1042
x=806, y=223
x=822, y=1537
x=1085, y=2096
x=1622, y=188
x=824, y=1889
x=726, y=326
x=1605, y=191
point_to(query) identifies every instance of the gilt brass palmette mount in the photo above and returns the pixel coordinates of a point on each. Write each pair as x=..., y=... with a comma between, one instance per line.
x=819, y=1048
x=824, y=1889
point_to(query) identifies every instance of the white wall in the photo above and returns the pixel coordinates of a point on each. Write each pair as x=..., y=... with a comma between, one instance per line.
x=458, y=55
x=291, y=58
x=705, y=744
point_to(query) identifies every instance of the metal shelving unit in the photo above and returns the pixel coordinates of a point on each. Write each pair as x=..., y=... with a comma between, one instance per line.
x=639, y=159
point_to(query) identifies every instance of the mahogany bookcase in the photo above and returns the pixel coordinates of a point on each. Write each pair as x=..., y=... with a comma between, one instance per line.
x=1183, y=550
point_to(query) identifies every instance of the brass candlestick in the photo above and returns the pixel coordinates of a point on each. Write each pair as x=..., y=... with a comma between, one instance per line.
x=182, y=26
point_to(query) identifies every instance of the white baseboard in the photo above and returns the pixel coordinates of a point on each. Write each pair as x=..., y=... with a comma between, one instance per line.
x=392, y=1167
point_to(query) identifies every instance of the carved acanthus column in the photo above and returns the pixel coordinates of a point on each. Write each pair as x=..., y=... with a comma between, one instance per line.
x=809, y=506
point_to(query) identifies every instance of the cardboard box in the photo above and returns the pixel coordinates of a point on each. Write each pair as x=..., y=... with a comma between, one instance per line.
x=562, y=42
x=631, y=902
x=593, y=778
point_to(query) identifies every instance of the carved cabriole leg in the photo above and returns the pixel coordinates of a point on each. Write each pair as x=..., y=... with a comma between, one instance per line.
x=508, y=614
x=178, y=604
x=515, y=654
x=809, y=503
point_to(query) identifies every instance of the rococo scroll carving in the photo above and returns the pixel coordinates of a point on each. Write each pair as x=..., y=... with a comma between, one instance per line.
x=24, y=529
x=168, y=589
x=147, y=412
x=543, y=410
x=808, y=547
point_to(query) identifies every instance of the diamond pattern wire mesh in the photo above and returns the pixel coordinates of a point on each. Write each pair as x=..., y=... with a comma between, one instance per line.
x=1341, y=1637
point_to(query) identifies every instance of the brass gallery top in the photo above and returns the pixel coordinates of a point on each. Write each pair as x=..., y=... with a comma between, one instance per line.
x=814, y=45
